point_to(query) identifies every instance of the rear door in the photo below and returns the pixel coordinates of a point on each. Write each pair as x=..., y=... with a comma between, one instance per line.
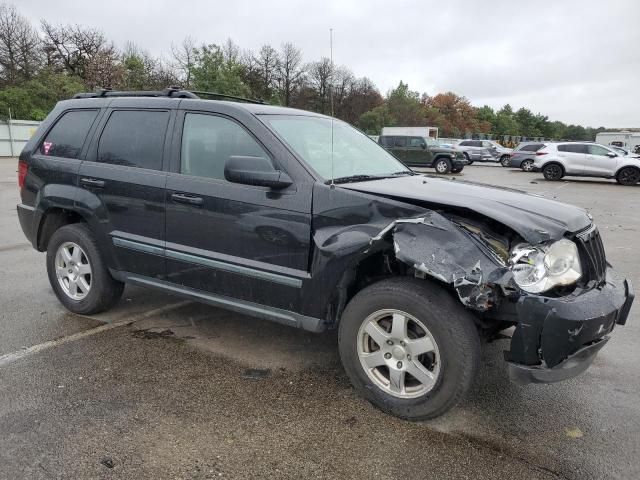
x=573, y=156
x=124, y=184
x=238, y=241
x=599, y=162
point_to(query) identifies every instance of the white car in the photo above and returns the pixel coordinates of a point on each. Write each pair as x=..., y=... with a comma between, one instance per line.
x=556, y=160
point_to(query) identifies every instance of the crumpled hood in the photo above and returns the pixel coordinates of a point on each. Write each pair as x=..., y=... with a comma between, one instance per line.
x=536, y=219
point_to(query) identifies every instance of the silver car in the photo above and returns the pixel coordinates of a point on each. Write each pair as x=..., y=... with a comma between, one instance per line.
x=556, y=160
x=472, y=148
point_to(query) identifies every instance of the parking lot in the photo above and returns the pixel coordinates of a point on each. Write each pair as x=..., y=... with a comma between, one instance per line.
x=164, y=388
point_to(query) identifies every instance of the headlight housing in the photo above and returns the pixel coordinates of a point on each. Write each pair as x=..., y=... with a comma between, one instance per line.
x=538, y=268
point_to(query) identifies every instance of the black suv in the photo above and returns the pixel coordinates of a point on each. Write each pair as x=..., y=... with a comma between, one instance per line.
x=296, y=218
x=422, y=152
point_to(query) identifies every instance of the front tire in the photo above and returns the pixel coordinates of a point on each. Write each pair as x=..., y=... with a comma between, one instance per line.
x=409, y=347
x=505, y=161
x=469, y=161
x=442, y=166
x=77, y=273
x=628, y=176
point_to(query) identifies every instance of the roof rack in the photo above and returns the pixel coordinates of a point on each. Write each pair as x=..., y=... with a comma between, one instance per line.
x=171, y=92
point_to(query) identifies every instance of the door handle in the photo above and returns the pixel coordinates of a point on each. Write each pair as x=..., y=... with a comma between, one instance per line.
x=92, y=182
x=188, y=199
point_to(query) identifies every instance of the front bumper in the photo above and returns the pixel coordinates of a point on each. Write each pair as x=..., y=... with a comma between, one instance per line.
x=558, y=338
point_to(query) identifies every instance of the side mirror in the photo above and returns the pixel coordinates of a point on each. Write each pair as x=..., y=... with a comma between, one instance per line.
x=258, y=171
x=611, y=154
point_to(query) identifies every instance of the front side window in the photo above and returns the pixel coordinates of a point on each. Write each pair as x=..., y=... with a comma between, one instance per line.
x=67, y=136
x=134, y=138
x=416, y=141
x=598, y=150
x=208, y=141
x=353, y=152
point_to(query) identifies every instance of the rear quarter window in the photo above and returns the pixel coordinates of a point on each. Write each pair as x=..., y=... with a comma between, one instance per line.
x=68, y=135
x=134, y=138
x=533, y=147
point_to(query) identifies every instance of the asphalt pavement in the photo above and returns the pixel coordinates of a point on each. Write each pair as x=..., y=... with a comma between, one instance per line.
x=163, y=388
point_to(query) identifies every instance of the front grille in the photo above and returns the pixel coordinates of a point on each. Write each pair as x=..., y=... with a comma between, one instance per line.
x=594, y=260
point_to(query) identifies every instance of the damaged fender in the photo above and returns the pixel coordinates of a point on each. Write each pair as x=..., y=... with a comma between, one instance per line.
x=435, y=246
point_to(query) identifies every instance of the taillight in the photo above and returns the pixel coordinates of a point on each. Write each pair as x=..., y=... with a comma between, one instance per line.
x=541, y=153
x=23, y=168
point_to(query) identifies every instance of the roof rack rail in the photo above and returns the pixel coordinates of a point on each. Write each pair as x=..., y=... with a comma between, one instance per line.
x=171, y=92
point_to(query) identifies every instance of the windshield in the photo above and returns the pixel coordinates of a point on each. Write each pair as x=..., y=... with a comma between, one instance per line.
x=354, y=154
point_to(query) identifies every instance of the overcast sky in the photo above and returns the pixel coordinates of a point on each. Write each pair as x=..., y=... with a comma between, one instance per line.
x=577, y=61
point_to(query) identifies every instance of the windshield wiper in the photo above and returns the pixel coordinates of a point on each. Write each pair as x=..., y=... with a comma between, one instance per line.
x=354, y=178
x=404, y=172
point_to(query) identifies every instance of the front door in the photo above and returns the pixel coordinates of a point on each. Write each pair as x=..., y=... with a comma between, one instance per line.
x=240, y=241
x=124, y=184
x=418, y=153
x=599, y=162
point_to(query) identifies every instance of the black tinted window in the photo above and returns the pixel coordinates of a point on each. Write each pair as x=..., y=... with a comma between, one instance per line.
x=134, y=138
x=533, y=147
x=386, y=141
x=465, y=143
x=209, y=141
x=400, y=142
x=66, y=138
x=573, y=148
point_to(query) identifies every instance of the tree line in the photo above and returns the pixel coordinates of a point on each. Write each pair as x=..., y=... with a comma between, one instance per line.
x=42, y=64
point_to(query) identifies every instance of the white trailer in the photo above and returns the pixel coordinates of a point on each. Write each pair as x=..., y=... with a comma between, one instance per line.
x=624, y=138
x=427, y=132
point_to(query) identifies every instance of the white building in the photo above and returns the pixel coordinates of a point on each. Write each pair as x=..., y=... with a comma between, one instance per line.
x=427, y=132
x=624, y=138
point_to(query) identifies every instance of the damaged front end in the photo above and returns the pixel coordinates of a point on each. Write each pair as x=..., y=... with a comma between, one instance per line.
x=558, y=332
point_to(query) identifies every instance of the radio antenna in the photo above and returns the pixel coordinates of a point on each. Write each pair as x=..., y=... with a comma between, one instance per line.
x=331, y=99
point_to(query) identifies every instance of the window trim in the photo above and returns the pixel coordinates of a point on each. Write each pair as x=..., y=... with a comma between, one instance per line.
x=105, y=121
x=87, y=139
x=176, y=166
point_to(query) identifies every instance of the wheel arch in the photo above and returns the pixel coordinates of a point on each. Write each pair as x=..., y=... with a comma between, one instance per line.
x=52, y=219
x=622, y=167
x=552, y=162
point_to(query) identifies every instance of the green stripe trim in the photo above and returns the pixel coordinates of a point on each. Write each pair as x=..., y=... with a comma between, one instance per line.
x=209, y=262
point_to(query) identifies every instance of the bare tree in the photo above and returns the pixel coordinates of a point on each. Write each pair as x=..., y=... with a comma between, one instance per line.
x=20, y=46
x=184, y=59
x=266, y=64
x=74, y=46
x=104, y=69
x=290, y=71
x=319, y=76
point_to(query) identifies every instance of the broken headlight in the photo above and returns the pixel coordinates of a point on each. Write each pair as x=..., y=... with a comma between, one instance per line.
x=538, y=268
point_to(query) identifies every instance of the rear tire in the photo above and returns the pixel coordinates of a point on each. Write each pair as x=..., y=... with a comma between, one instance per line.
x=420, y=307
x=628, y=176
x=527, y=166
x=553, y=171
x=77, y=272
x=442, y=166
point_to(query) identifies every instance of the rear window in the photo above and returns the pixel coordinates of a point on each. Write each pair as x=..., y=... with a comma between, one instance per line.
x=531, y=147
x=134, y=138
x=67, y=136
x=573, y=148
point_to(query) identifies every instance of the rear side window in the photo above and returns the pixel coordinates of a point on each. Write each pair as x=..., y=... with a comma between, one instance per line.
x=465, y=144
x=208, y=141
x=532, y=147
x=386, y=141
x=400, y=142
x=134, y=138
x=67, y=136
x=573, y=148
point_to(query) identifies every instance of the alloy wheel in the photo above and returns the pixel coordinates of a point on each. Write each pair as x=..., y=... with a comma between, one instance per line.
x=398, y=353
x=527, y=166
x=629, y=176
x=441, y=167
x=73, y=270
x=553, y=172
